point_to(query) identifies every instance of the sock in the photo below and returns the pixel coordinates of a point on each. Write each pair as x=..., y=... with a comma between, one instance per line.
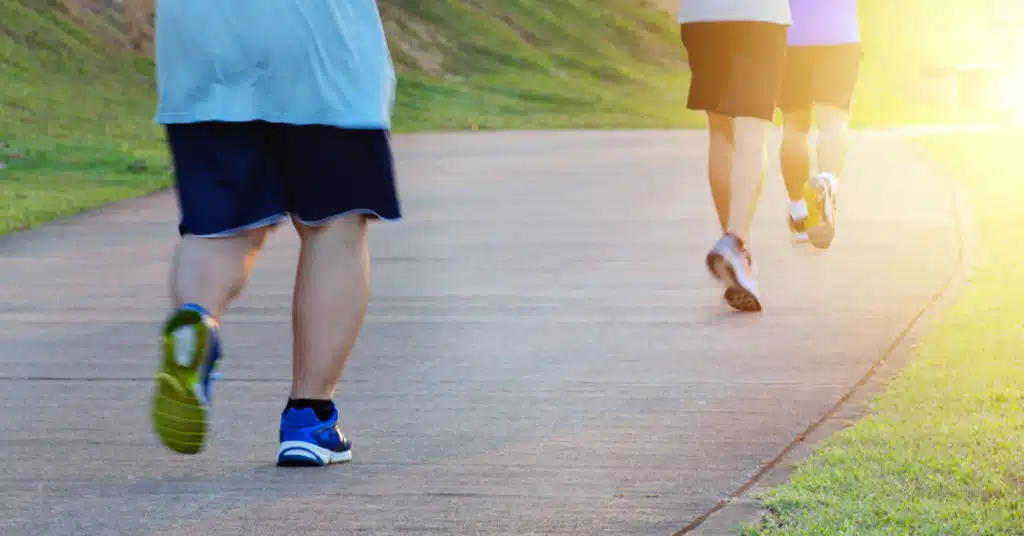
x=798, y=210
x=323, y=408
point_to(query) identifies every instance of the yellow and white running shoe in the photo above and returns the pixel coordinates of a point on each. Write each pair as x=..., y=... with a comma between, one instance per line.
x=821, y=210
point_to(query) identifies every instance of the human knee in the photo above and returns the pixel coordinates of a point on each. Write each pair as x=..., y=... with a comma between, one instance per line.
x=795, y=139
x=213, y=271
x=254, y=238
x=749, y=134
x=832, y=120
x=832, y=133
x=721, y=129
x=797, y=123
x=832, y=137
x=244, y=242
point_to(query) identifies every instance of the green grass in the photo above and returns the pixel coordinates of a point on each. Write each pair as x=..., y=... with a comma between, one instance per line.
x=522, y=101
x=77, y=114
x=942, y=451
x=520, y=64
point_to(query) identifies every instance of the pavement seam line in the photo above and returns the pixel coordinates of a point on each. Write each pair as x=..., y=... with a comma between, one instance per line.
x=959, y=271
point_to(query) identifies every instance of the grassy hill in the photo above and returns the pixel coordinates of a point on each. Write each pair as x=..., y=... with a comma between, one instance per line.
x=535, y=63
x=75, y=126
x=76, y=106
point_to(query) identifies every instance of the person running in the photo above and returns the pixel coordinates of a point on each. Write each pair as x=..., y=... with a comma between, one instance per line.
x=822, y=68
x=273, y=111
x=736, y=52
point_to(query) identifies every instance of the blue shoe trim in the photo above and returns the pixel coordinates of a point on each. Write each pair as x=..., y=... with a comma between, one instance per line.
x=303, y=426
x=197, y=308
x=208, y=372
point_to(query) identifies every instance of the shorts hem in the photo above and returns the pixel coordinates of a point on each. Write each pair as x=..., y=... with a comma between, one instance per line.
x=791, y=108
x=364, y=211
x=269, y=221
x=733, y=115
x=277, y=218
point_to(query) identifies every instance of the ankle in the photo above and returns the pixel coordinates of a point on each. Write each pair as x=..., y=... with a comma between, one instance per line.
x=741, y=241
x=798, y=209
x=323, y=408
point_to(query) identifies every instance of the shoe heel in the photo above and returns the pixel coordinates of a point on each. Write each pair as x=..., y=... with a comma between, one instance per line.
x=171, y=338
x=823, y=233
x=178, y=411
x=720, y=269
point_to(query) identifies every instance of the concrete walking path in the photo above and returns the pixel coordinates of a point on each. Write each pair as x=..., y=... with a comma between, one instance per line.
x=544, y=354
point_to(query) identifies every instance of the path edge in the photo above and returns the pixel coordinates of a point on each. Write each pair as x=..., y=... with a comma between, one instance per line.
x=740, y=506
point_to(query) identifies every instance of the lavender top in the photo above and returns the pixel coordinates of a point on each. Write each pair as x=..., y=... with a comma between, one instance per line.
x=823, y=22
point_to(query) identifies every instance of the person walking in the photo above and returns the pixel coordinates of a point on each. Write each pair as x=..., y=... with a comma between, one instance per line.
x=822, y=69
x=274, y=111
x=737, y=51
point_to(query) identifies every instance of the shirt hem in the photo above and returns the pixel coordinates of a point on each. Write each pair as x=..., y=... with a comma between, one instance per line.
x=774, y=20
x=825, y=43
x=170, y=118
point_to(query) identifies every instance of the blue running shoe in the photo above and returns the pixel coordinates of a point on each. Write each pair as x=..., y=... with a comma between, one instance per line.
x=181, y=403
x=307, y=441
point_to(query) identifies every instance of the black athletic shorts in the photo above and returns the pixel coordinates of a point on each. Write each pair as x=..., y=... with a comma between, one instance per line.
x=231, y=177
x=736, y=66
x=820, y=75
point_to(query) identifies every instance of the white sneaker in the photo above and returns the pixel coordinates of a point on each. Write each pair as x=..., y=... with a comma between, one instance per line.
x=731, y=263
x=822, y=194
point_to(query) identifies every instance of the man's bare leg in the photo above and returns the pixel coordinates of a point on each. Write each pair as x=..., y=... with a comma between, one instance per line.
x=831, y=148
x=795, y=160
x=833, y=139
x=747, y=174
x=721, y=152
x=212, y=272
x=332, y=288
x=730, y=261
x=795, y=153
x=206, y=275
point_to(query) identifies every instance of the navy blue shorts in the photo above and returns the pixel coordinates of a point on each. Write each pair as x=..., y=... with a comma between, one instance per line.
x=236, y=176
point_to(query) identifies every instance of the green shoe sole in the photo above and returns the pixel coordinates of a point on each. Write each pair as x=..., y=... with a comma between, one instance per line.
x=178, y=410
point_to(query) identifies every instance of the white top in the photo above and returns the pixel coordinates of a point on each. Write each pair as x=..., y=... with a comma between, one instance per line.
x=775, y=11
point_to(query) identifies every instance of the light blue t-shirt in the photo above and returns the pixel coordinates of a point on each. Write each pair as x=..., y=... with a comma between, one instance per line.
x=298, y=62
